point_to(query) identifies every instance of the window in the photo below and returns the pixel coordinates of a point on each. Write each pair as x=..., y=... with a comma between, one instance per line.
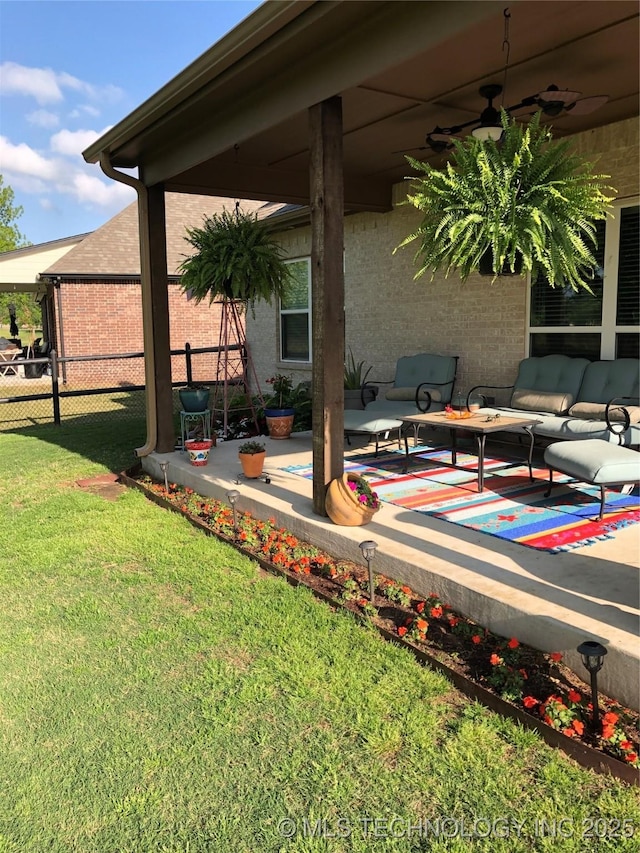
x=605, y=324
x=295, y=314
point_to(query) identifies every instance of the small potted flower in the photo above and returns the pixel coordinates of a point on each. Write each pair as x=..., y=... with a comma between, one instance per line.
x=278, y=409
x=251, y=455
x=350, y=500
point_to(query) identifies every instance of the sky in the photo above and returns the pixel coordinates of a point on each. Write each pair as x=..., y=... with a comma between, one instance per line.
x=70, y=70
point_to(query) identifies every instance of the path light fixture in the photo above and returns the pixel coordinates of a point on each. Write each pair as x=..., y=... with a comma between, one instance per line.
x=592, y=654
x=232, y=497
x=163, y=468
x=368, y=548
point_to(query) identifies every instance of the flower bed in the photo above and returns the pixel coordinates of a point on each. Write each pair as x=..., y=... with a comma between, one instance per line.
x=534, y=687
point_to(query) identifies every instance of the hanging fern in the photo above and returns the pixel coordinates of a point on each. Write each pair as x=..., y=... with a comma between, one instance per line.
x=518, y=198
x=235, y=258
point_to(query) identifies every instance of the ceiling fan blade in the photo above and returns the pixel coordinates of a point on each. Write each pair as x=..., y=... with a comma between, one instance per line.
x=417, y=148
x=587, y=105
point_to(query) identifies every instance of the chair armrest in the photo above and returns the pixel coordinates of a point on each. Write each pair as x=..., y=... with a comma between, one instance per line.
x=475, y=389
x=369, y=386
x=427, y=399
x=618, y=427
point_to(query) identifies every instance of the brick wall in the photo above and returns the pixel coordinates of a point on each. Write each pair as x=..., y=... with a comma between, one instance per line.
x=388, y=314
x=105, y=317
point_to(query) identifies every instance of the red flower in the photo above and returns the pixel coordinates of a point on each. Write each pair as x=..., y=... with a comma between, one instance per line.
x=610, y=719
x=578, y=725
x=574, y=696
x=631, y=757
x=422, y=625
x=568, y=732
x=513, y=643
x=625, y=744
x=555, y=656
x=420, y=606
x=453, y=621
x=476, y=639
x=529, y=702
x=402, y=631
x=406, y=589
x=495, y=660
x=607, y=732
x=436, y=612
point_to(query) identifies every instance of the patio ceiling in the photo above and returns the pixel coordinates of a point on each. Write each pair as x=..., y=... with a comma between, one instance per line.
x=235, y=122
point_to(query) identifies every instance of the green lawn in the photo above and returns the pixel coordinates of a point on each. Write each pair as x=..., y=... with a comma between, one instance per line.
x=158, y=692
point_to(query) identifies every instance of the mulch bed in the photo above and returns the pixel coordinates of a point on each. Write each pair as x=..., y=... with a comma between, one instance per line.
x=515, y=680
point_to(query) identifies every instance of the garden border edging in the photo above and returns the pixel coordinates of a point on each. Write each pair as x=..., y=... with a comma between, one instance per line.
x=580, y=752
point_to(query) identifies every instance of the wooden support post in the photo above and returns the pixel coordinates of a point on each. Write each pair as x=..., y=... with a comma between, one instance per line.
x=153, y=245
x=327, y=284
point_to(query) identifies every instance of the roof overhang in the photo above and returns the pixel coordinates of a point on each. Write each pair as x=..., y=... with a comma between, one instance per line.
x=235, y=122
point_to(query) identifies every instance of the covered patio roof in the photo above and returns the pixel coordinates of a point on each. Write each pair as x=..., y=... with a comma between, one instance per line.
x=235, y=121
x=310, y=102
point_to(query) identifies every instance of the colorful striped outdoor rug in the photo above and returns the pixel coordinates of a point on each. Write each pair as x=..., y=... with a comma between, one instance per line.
x=510, y=507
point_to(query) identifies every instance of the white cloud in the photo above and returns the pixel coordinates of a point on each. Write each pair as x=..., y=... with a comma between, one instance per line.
x=43, y=118
x=23, y=160
x=47, y=85
x=27, y=170
x=85, y=109
x=73, y=142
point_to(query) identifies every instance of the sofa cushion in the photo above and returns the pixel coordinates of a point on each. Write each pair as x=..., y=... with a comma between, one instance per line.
x=410, y=394
x=554, y=373
x=596, y=412
x=531, y=400
x=605, y=380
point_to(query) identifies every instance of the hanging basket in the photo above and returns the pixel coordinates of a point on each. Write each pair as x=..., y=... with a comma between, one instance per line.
x=486, y=265
x=343, y=504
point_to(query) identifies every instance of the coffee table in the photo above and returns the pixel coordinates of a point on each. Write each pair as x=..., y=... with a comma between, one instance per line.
x=478, y=423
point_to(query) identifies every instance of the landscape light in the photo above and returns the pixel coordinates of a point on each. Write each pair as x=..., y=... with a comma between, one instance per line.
x=368, y=549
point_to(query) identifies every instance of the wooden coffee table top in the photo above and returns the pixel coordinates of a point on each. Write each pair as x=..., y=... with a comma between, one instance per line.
x=477, y=422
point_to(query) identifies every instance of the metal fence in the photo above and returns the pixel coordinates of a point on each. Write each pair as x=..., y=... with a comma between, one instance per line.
x=89, y=388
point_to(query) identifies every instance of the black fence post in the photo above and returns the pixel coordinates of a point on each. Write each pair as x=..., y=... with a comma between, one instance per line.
x=55, y=390
x=187, y=355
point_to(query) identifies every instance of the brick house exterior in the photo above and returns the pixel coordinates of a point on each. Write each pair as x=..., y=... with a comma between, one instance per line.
x=95, y=305
x=388, y=314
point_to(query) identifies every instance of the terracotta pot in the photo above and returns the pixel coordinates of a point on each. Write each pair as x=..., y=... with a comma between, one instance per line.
x=279, y=422
x=342, y=504
x=198, y=450
x=252, y=464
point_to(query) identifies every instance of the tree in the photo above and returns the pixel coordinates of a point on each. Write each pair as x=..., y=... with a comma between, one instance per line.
x=10, y=236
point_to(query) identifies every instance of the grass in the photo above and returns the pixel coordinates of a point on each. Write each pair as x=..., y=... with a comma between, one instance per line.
x=158, y=692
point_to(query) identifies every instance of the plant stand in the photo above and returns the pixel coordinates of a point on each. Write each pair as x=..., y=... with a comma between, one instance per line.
x=235, y=372
x=202, y=421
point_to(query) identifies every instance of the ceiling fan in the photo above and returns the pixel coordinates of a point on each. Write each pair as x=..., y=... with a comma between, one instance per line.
x=552, y=101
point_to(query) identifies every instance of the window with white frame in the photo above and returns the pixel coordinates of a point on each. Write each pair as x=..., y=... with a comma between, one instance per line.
x=295, y=313
x=603, y=324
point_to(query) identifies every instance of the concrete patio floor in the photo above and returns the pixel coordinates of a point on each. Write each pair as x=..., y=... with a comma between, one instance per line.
x=550, y=601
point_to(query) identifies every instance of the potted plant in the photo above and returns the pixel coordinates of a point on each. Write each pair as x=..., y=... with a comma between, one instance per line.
x=235, y=258
x=251, y=455
x=279, y=410
x=194, y=398
x=350, y=501
x=198, y=450
x=356, y=395
x=520, y=204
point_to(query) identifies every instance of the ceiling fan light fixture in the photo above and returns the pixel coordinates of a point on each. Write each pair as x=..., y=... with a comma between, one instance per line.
x=488, y=131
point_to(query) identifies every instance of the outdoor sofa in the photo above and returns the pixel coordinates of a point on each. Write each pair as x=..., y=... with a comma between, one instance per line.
x=573, y=398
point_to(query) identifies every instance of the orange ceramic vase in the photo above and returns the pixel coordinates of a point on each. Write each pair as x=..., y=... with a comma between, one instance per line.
x=342, y=504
